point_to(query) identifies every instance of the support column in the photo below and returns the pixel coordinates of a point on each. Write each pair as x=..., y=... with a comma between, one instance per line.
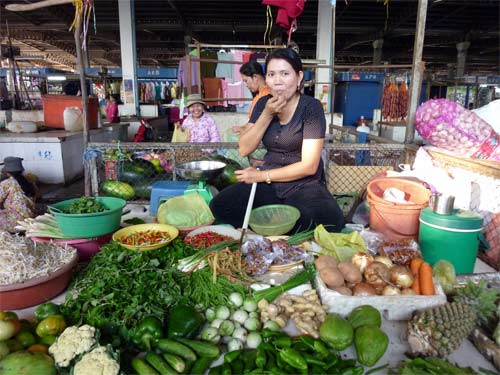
x=417, y=70
x=461, y=57
x=324, y=51
x=128, y=57
x=377, y=51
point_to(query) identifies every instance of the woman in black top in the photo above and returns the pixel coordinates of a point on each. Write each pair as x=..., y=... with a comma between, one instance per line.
x=292, y=128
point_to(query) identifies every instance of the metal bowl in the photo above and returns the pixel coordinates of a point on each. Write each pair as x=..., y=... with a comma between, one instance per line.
x=200, y=170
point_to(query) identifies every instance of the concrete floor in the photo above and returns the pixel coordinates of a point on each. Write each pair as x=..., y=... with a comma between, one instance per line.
x=53, y=193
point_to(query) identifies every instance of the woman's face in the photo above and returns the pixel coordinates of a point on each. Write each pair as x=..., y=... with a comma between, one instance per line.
x=282, y=79
x=196, y=110
x=251, y=82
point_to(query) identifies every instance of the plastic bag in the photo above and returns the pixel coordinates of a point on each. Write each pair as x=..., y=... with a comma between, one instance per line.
x=450, y=126
x=183, y=211
x=400, y=251
x=180, y=135
x=342, y=246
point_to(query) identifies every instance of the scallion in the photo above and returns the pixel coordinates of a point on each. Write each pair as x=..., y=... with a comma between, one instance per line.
x=300, y=278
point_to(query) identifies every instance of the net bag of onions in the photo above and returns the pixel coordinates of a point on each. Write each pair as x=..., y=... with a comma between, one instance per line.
x=450, y=126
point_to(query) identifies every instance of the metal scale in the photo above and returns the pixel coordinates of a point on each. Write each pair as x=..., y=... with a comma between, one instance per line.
x=197, y=172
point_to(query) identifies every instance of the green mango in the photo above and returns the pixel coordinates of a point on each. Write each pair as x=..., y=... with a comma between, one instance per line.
x=370, y=343
x=26, y=363
x=364, y=316
x=336, y=332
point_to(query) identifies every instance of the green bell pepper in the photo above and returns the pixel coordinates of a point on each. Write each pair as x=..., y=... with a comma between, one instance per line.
x=45, y=310
x=149, y=329
x=184, y=321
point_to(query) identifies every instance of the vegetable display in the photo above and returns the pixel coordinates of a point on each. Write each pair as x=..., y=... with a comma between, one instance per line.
x=448, y=125
x=206, y=239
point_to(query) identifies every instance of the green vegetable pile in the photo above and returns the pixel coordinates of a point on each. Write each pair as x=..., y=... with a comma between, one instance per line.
x=433, y=366
x=85, y=205
x=119, y=288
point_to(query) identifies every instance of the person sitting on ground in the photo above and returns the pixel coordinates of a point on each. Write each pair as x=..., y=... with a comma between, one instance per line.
x=112, y=109
x=16, y=195
x=252, y=75
x=292, y=127
x=201, y=125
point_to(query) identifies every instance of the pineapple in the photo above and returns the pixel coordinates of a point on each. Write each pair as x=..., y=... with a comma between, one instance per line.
x=440, y=331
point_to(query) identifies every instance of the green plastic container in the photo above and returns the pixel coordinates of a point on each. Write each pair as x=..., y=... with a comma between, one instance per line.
x=273, y=219
x=454, y=238
x=89, y=225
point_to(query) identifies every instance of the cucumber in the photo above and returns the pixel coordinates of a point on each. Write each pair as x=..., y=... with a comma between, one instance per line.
x=175, y=361
x=141, y=367
x=201, y=366
x=174, y=347
x=203, y=349
x=159, y=364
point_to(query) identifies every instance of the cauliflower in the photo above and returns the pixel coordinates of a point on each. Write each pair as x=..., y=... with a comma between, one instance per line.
x=97, y=362
x=72, y=342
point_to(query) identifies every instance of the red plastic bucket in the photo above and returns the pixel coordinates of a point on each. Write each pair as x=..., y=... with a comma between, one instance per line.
x=85, y=247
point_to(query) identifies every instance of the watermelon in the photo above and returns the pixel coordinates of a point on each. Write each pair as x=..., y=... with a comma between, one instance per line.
x=118, y=189
x=143, y=189
x=226, y=178
x=135, y=171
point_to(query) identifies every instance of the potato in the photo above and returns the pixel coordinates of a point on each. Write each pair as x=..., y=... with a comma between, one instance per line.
x=363, y=289
x=325, y=261
x=350, y=272
x=331, y=277
x=343, y=290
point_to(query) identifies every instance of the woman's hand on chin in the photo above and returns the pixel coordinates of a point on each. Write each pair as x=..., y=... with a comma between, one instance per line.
x=249, y=175
x=275, y=104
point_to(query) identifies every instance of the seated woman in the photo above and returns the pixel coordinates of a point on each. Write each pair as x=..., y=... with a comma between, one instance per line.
x=201, y=125
x=112, y=110
x=16, y=195
x=292, y=127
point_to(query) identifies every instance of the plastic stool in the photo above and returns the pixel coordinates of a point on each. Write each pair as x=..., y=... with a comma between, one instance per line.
x=163, y=190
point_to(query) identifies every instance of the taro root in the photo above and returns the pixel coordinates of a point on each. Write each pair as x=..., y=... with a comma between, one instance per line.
x=343, y=290
x=325, y=261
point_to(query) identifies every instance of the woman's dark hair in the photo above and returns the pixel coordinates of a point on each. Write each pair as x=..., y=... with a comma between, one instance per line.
x=250, y=68
x=287, y=54
x=27, y=186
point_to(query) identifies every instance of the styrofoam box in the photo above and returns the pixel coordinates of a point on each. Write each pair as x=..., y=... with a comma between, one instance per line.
x=392, y=307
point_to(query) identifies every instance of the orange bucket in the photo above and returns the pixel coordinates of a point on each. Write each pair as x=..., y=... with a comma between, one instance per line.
x=396, y=220
x=414, y=191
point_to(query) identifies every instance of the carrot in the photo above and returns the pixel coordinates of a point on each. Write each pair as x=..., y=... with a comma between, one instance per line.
x=415, y=265
x=38, y=348
x=425, y=276
x=416, y=284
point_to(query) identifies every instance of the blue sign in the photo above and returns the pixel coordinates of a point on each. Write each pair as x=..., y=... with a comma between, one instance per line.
x=494, y=80
x=361, y=77
x=160, y=73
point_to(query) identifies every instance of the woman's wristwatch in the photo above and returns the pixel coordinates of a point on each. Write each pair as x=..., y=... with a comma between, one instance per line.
x=268, y=178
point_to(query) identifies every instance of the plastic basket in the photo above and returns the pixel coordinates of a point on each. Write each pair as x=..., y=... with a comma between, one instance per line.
x=273, y=219
x=89, y=225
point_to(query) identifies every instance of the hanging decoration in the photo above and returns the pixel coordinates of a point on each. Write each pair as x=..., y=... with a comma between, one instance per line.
x=84, y=10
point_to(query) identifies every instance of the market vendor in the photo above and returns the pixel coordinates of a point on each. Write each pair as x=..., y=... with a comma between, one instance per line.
x=292, y=127
x=201, y=125
x=252, y=75
x=16, y=195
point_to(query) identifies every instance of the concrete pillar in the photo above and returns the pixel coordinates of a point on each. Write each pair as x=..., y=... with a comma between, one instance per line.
x=128, y=57
x=417, y=70
x=377, y=51
x=324, y=51
x=461, y=57
x=450, y=73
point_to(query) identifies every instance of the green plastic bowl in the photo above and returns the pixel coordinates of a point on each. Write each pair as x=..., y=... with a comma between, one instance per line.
x=89, y=225
x=273, y=219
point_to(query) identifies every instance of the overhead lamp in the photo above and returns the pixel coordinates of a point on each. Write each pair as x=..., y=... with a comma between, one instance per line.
x=56, y=78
